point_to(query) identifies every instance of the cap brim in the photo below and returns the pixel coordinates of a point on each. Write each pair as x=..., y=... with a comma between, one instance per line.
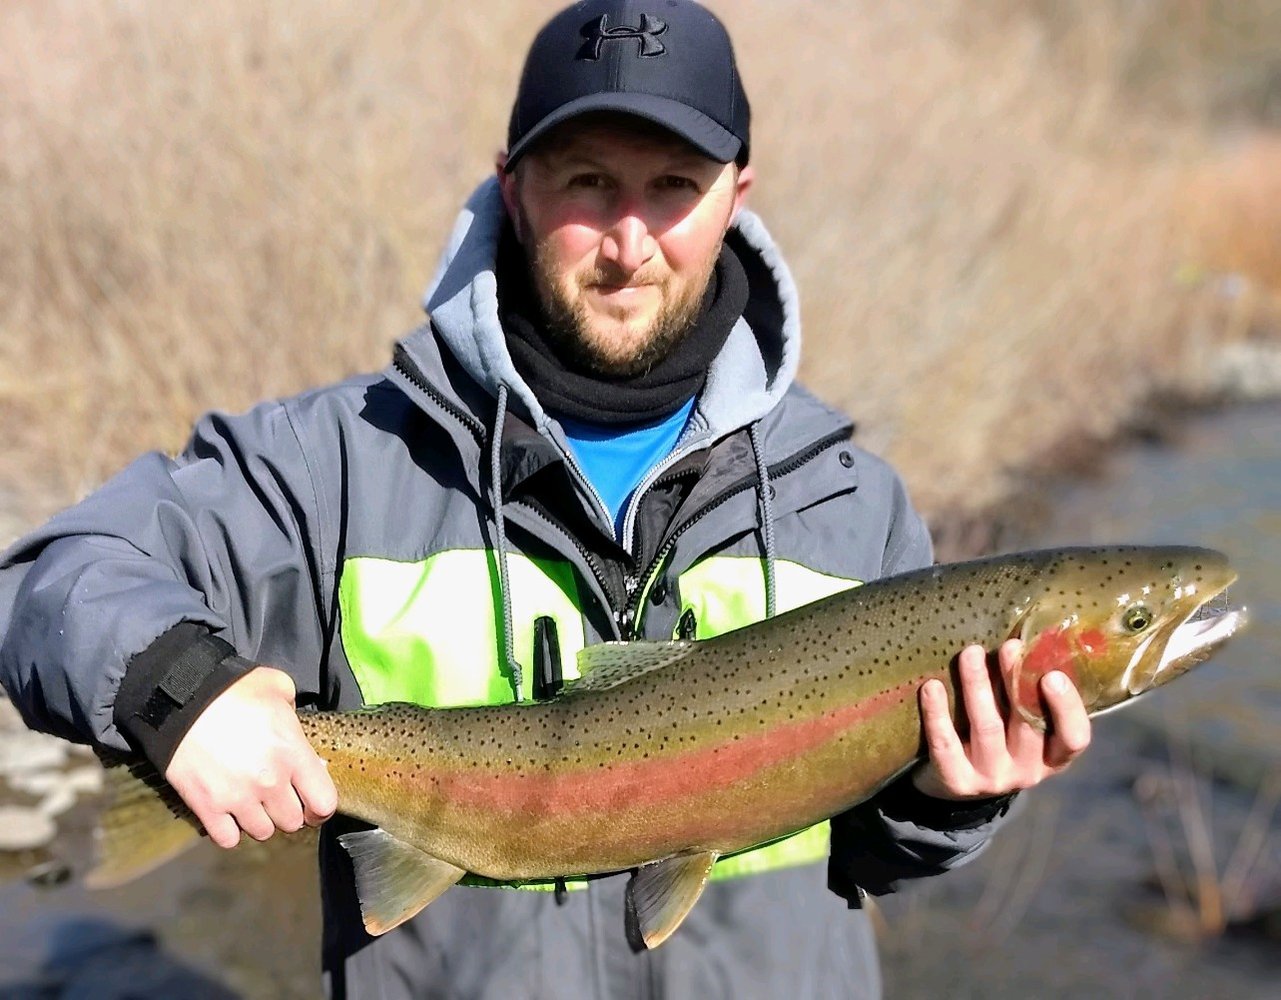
x=700, y=131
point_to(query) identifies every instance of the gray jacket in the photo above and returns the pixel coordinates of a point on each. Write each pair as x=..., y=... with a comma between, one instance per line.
x=262, y=531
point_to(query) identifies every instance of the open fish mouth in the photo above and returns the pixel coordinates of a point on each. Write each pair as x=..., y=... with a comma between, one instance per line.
x=1209, y=627
x=1193, y=641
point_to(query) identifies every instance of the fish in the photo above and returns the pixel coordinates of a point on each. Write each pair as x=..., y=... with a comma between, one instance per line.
x=665, y=756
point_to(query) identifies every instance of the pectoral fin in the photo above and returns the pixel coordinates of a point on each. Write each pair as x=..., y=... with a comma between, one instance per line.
x=660, y=895
x=394, y=880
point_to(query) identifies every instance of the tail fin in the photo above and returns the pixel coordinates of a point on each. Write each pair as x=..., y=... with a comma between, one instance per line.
x=145, y=823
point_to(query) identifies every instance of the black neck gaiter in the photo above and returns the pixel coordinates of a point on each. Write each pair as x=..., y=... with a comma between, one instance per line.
x=603, y=399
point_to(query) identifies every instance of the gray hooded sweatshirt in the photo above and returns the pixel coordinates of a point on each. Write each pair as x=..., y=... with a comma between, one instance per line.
x=354, y=536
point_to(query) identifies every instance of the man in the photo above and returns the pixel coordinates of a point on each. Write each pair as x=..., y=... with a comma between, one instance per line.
x=596, y=436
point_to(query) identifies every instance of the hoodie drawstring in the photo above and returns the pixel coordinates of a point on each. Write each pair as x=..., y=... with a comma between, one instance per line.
x=500, y=533
x=764, y=494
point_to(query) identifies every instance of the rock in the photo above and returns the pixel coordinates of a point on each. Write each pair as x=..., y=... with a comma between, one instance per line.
x=57, y=802
x=80, y=781
x=23, y=752
x=24, y=829
x=1247, y=372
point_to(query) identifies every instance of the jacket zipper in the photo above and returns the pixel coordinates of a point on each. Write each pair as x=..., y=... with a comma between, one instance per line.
x=590, y=560
x=403, y=364
x=406, y=367
x=631, y=612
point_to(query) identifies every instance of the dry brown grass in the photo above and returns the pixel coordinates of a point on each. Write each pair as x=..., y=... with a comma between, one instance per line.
x=206, y=204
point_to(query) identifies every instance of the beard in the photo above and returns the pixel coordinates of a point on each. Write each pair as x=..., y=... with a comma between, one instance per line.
x=572, y=329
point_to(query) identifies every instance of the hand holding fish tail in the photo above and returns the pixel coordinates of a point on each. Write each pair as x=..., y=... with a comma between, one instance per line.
x=1003, y=752
x=244, y=765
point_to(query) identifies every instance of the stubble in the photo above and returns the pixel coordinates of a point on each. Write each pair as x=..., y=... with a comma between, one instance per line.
x=581, y=345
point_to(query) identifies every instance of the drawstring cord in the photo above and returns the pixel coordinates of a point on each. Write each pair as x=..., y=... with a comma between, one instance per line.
x=500, y=532
x=764, y=493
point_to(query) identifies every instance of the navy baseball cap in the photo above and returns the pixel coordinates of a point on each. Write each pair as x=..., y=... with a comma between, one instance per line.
x=668, y=61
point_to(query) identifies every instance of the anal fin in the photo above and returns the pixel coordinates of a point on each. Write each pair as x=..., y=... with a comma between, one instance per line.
x=661, y=894
x=394, y=880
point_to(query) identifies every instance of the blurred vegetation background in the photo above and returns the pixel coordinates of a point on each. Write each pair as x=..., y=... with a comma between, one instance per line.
x=1011, y=220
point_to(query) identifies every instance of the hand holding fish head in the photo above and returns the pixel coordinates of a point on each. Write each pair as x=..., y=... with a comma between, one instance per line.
x=1001, y=751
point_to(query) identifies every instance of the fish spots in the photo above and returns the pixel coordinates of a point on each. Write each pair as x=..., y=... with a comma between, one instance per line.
x=643, y=780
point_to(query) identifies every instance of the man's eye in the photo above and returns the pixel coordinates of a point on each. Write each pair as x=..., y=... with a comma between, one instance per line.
x=586, y=181
x=676, y=182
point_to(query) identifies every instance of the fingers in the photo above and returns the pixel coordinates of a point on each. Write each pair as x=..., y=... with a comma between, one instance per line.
x=1069, y=721
x=988, y=748
x=315, y=790
x=1067, y=730
x=280, y=805
x=949, y=772
x=253, y=819
x=1003, y=753
x=222, y=829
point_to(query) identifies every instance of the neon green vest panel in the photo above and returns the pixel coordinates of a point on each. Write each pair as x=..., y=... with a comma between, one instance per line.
x=727, y=592
x=428, y=632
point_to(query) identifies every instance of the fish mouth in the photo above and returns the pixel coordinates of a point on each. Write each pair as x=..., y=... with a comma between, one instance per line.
x=1199, y=636
x=1207, y=627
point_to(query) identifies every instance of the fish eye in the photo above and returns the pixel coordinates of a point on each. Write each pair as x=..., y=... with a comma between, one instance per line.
x=1136, y=618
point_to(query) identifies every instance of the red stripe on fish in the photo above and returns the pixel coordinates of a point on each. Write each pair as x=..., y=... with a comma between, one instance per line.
x=660, y=778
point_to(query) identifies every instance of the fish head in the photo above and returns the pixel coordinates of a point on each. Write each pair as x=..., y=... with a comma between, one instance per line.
x=1119, y=621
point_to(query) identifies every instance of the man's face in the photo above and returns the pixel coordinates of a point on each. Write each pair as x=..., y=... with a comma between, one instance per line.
x=622, y=224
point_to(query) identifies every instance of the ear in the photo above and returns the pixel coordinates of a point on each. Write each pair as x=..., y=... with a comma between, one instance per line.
x=507, y=185
x=743, y=184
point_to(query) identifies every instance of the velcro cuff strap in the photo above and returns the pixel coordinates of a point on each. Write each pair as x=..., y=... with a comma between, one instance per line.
x=168, y=685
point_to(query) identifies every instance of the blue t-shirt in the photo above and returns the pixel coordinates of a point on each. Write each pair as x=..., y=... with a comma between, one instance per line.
x=616, y=457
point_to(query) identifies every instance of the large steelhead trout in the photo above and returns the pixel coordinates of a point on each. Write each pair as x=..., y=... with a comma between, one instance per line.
x=665, y=756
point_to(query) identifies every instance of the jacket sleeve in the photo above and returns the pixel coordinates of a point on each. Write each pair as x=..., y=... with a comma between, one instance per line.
x=162, y=577
x=902, y=833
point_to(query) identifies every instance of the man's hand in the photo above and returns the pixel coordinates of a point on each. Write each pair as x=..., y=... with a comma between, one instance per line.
x=245, y=764
x=1004, y=753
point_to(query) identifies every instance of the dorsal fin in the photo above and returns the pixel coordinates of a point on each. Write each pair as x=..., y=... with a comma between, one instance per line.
x=612, y=663
x=394, y=880
x=660, y=896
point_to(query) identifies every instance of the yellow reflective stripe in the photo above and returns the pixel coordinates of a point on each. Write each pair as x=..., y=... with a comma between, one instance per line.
x=804, y=848
x=428, y=632
x=728, y=592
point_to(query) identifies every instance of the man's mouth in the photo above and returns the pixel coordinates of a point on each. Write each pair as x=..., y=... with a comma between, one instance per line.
x=606, y=288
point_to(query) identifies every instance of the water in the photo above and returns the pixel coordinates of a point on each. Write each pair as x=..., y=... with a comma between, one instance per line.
x=1069, y=901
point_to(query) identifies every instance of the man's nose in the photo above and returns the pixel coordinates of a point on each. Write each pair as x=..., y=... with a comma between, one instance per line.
x=628, y=243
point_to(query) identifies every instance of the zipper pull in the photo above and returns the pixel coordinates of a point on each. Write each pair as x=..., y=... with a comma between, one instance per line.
x=626, y=621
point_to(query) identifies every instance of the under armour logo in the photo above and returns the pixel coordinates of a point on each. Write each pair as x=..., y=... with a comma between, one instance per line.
x=599, y=32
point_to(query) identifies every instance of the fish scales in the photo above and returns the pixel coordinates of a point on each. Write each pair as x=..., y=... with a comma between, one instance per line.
x=753, y=735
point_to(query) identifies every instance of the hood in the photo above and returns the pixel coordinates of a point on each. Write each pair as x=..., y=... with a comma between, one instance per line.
x=745, y=382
